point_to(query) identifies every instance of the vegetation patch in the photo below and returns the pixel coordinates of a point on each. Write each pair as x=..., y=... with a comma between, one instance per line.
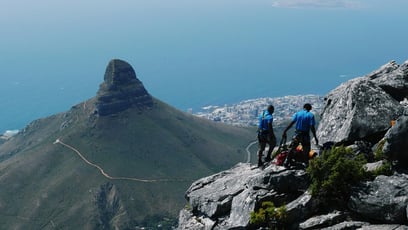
x=335, y=172
x=378, y=153
x=269, y=216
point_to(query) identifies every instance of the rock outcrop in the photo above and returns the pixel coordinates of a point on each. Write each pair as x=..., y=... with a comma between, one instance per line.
x=393, y=79
x=363, y=108
x=121, y=90
x=110, y=209
x=396, y=145
x=358, y=114
x=225, y=200
x=383, y=200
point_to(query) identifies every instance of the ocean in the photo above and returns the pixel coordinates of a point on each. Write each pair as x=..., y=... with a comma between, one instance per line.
x=190, y=54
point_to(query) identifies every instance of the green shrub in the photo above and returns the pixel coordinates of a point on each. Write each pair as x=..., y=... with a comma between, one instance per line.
x=378, y=153
x=269, y=216
x=334, y=172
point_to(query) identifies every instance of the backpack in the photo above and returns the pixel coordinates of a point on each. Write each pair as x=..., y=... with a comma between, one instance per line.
x=281, y=157
x=282, y=153
x=264, y=122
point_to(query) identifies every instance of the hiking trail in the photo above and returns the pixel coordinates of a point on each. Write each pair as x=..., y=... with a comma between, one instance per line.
x=106, y=175
x=249, y=152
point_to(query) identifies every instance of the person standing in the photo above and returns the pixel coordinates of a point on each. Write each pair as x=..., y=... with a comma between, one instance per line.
x=266, y=134
x=305, y=122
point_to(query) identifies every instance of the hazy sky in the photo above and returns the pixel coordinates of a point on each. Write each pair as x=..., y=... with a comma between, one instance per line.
x=189, y=53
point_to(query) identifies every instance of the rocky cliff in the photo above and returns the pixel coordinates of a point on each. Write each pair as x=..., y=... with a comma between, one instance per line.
x=363, y=108
x=121, y=90
x=367, y=114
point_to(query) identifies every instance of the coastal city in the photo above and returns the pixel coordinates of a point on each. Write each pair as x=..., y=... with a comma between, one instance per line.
x=245, y=113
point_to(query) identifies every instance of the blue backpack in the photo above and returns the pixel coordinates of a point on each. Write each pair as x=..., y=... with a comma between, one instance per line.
x=263, y=123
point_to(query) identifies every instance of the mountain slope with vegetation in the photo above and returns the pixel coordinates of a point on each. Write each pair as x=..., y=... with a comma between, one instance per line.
x=127, y=133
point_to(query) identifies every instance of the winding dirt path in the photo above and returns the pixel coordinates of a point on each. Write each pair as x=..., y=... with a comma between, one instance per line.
x=249, y=152
x=58, y=141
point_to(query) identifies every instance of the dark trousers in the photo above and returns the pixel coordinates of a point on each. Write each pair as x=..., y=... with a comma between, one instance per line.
x=263, y=139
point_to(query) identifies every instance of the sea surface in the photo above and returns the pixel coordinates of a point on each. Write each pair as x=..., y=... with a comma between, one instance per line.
x=190, y=54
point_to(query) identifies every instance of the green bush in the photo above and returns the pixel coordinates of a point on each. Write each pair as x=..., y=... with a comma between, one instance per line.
x=334, y=172
x=378, y=153
x=269, y=216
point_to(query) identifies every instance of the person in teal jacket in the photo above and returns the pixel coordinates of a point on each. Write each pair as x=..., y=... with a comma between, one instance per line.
x=305, y=122
x=266, y=134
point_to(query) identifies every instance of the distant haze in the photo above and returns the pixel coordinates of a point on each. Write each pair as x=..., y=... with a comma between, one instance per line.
x=187, y=53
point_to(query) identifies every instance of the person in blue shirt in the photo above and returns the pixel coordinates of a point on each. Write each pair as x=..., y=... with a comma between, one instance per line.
x=305, y=122
x=265, y=134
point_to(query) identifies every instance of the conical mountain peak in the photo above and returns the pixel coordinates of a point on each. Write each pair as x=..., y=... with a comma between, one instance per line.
x=119, y=72
x=121, y=90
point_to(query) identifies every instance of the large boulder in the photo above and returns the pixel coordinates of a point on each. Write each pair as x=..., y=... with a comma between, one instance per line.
x=363, y=108
x=393, y=79
x=225, y=200
x=323, y=220
x=383, y=200
x=121, y=90
x=357, y=110
x=396, y=145
x=189, y=221
x=301, y=209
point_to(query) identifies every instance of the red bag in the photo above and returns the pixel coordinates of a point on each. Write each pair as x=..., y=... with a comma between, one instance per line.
x=281, y=157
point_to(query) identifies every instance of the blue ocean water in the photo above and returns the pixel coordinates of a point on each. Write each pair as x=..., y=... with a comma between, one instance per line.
x=190, y=53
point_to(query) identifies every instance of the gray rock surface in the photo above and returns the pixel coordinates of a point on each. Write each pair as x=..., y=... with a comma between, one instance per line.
x=301, y=209
x=371, y=167
x=228, y=198
x=396, y=145
x=383, y=200
x=393, y=79
x=192, y=222
x=383, y=227
x=348, y=225
x=323, y=220
x=121, y=90
x=357, y=109
x=362, y=108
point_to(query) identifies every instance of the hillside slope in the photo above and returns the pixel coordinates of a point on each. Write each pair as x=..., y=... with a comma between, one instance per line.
x=47, y=185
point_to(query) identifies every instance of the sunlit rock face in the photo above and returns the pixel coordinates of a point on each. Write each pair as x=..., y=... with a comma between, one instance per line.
x=363, y=108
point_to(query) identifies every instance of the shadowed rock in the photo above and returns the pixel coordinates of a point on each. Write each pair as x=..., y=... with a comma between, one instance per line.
x=384, y=200
x=396, y=144
x=121, y=90
x=393, y=79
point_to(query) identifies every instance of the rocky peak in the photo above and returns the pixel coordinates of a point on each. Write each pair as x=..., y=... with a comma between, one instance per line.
x=121, y=90
x=363, y=108
x=393, y=79
x=385, y=69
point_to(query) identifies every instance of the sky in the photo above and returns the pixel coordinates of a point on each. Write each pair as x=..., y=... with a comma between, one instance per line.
x=189, y=54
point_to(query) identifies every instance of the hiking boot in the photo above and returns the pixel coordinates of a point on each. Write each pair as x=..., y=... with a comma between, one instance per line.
x=260, y=163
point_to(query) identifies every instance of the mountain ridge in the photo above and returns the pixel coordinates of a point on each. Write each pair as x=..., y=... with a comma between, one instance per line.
x=46, y=184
